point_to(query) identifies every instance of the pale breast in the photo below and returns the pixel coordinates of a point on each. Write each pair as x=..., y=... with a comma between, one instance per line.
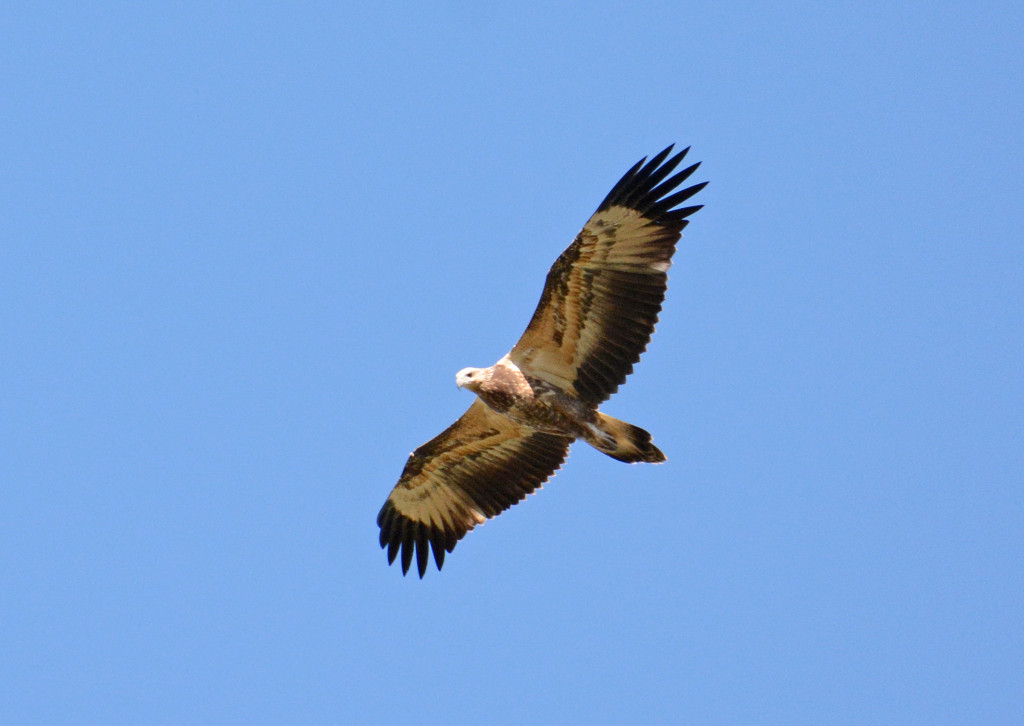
x=534, y=402
x=550, y=410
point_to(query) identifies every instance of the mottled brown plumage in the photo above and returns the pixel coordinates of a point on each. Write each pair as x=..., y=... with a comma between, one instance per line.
x=595, y=318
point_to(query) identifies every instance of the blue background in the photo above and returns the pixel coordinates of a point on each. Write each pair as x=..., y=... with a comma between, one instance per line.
x=245, y=247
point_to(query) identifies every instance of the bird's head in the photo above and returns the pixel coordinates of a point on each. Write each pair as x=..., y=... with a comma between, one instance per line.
x=470, y=378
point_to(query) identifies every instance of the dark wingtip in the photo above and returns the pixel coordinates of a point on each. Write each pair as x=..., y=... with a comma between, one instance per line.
x=402, y=536
x=422, y=551
x=645, y=188
x=438, y=548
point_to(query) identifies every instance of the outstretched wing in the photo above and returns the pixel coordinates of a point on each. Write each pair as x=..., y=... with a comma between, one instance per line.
x=474, y=470
x=603, y=294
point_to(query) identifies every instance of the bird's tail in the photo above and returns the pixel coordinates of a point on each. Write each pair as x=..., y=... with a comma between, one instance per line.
x=622, y=441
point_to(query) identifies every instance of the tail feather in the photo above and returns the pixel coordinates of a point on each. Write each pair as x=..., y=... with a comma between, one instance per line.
x=624, y=441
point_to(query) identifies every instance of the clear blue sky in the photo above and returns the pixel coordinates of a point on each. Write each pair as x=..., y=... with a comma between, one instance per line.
x=244, y=249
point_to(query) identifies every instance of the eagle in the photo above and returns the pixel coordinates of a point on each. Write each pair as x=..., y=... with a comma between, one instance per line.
x=596, y=316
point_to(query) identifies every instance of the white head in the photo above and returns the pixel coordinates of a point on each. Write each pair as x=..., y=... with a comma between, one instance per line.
x=470, y=378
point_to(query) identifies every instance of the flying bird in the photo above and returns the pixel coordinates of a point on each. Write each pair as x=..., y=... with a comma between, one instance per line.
x=595, y=317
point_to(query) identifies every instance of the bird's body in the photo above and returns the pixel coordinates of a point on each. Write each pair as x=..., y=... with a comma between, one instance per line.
x=546, y=408
x=595, y=317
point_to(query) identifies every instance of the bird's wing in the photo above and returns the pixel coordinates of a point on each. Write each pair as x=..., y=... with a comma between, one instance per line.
x=603, y=294
x=474, y=470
